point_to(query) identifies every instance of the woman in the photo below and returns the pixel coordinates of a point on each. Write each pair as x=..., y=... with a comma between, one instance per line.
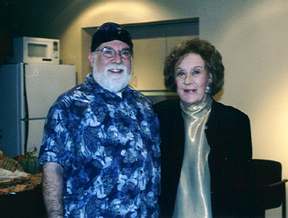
x=206, y=146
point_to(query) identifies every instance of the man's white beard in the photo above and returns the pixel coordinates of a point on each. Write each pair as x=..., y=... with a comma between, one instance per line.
x=114, y=82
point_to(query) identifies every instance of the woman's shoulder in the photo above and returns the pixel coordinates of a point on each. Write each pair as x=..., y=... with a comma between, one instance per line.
x=167, y=105
x=227, y=111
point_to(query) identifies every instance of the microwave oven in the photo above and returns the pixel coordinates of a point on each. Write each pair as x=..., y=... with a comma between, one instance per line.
x=35, y=50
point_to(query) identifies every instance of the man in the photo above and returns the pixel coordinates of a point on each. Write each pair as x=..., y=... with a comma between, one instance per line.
x=100, y=150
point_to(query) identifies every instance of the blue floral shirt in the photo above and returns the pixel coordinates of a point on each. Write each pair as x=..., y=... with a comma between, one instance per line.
x=109, y=149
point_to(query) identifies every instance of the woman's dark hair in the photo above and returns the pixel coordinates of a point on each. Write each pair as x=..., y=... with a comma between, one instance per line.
x=212, y=59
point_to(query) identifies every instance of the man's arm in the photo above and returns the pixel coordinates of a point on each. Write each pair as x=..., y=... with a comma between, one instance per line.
x=53, y=189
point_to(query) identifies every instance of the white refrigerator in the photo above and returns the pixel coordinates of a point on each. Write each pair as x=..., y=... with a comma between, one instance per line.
x=27, y=91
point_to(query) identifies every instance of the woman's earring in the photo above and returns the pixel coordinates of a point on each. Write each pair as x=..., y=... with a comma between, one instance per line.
x=208, y=91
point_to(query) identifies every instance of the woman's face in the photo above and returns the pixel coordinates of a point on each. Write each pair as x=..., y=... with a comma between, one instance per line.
x=192, y=79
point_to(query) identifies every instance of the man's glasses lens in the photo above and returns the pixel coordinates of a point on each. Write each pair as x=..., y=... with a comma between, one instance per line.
x=111, y=52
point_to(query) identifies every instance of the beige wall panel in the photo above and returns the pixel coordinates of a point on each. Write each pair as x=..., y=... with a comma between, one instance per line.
x=148, y=64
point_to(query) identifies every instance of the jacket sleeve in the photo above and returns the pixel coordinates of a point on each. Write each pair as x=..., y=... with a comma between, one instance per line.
x=229, y=137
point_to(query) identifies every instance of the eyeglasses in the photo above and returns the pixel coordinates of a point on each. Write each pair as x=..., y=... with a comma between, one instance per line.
x=109, y=52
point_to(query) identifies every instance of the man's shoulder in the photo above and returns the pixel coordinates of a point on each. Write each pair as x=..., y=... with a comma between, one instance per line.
x=140, y=97
x=78, y=93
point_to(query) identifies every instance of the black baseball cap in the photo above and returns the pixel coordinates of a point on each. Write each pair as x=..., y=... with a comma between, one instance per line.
x=108, y=32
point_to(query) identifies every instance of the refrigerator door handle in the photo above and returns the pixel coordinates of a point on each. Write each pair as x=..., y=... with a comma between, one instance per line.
x=26, y=117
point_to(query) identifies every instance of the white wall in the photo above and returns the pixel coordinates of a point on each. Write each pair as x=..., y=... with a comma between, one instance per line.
x=251, y=35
